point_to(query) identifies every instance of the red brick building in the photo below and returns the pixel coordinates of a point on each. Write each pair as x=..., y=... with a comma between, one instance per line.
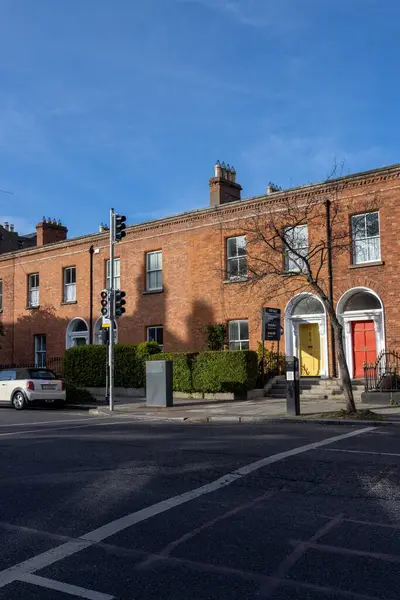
x=184, y=272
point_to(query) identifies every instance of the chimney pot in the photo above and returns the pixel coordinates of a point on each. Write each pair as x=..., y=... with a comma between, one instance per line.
x=6, y=226
x=11, y=227
x=217, y=169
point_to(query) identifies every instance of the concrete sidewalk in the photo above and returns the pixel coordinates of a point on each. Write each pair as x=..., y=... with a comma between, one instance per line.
x=245, y=411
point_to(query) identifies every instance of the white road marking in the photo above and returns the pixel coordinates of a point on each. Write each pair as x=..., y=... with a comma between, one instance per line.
x=68, y=428
x=97, y=535
x=362, y=452
x=66, y=588
x=77, y=420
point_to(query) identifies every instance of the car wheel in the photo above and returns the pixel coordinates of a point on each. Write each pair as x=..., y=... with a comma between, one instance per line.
x=18, y=401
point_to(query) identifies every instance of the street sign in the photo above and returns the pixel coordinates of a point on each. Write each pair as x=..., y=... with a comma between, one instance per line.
x=271, y=326
x=105, y=323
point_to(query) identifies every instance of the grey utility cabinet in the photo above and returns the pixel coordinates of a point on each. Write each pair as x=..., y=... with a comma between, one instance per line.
x=159, y=383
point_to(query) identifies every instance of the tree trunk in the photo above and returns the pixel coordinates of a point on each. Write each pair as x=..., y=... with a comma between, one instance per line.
x=338, y=331
x=343, y=368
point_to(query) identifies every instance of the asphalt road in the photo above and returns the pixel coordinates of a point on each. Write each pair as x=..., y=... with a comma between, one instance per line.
x=105, y=508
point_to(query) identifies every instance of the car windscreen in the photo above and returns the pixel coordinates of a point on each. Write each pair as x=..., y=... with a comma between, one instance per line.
x=41, y=374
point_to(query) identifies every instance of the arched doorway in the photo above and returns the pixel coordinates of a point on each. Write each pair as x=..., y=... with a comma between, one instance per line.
x=77, y=333
x=97, y=333
x=305, y=326
x=361, y=312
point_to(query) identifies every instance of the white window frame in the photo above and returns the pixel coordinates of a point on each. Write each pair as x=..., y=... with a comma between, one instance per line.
x=33, y=290
x=40, y=344
x=69, y=287
x=117, y=274
x=242, y=342
x=366, y=238
x=293, y=264
x=150, y=271
x=1, y=295
x=236, y=258
x=155, y=327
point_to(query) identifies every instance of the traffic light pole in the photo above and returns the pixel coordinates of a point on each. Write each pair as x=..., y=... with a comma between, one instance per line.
x=111, y=301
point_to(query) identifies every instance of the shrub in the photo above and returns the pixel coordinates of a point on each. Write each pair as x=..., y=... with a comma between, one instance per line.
x=85, y=366
x=77, y=395
x=216, y=336
x=234, y=371
x=182, y=369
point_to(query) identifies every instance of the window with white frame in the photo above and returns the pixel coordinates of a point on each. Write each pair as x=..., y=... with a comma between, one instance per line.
x=40, y=350
x=33, y=290
x=70, y=284
x=117, y=279
x=155, y=333
x=154, y=271
x=366, y=238
x=1, y=295
x=296, y=246
x=236, y=259
x=239, y=334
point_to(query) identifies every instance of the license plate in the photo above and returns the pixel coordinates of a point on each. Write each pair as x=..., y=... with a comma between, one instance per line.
x=48, y=386
x=49, y=400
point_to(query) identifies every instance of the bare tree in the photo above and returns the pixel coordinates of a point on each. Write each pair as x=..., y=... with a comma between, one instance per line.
x=290, y=249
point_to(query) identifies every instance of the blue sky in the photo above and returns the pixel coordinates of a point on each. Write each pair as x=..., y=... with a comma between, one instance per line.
x=129, y=103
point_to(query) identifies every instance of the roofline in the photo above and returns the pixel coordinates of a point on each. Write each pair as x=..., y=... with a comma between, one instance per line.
x=309, y=188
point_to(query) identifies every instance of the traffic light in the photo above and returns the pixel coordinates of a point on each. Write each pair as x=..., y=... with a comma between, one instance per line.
x=120, y=227
x=119, y=302
x=105, y=303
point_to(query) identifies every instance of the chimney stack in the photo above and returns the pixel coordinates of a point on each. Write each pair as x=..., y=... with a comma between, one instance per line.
x=50, y=231
x=272, y=188
x=223, y=186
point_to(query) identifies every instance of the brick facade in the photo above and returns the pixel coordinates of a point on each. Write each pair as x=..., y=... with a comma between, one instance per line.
x=195, y=291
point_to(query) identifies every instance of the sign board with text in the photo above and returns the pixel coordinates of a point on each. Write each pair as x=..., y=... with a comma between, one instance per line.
x=105, y=322
x=271, y=325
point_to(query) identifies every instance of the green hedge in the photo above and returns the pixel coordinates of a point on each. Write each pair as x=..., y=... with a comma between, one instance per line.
x=182, y=369
x=234, y=371
x=85, y=366
x=212, y=371
x=77, y=395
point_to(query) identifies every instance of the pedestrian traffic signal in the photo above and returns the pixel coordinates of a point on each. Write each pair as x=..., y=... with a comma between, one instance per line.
x=120, y=227
x=119, y=302
x=105, y=303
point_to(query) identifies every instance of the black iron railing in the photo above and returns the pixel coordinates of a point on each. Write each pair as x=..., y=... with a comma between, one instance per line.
x=274, y=364
x=384, y=374
x=53, y=363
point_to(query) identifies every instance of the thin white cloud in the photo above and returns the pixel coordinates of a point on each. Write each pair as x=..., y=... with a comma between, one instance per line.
x=294, y=159
x=256, y=13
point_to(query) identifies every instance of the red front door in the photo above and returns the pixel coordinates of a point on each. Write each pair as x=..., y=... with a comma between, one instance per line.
x=364, y=345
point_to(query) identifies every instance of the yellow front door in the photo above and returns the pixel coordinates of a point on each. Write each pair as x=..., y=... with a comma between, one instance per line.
x=310, y=350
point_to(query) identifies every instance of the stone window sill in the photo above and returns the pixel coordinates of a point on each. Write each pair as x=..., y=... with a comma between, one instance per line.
x=146, y=292
x=67, y=303
x=32, y=307
x=376, y=263
x=238, y=280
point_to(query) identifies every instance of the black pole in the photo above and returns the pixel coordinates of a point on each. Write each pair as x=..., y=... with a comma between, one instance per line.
x=262, y=349
x=330, y=278
x=91, y=252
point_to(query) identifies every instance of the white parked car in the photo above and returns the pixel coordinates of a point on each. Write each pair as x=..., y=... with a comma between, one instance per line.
x=24, y=387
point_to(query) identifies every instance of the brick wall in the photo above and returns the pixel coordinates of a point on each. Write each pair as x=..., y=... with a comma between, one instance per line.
x=195, y=291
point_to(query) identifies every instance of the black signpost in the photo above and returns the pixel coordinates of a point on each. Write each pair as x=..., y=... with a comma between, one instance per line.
x=271, y=330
